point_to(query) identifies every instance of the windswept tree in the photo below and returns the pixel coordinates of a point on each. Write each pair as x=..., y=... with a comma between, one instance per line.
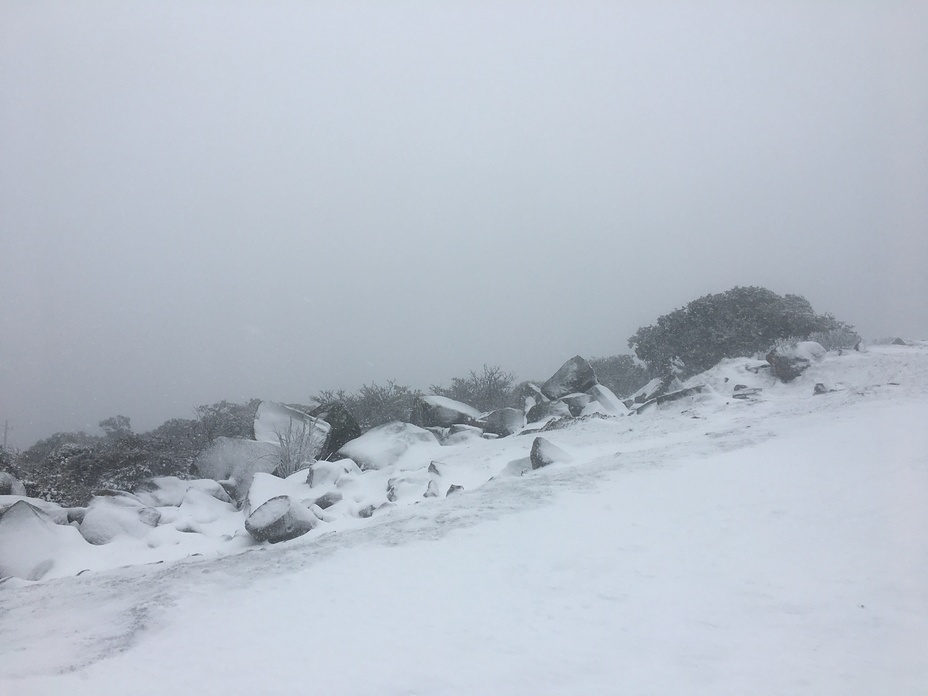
x=741, y=321
x=489, y=389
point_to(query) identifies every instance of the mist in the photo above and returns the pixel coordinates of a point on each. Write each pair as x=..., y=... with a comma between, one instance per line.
x=233, y=200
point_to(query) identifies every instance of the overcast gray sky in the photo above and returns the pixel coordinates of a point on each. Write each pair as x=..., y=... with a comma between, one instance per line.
x=214, y=200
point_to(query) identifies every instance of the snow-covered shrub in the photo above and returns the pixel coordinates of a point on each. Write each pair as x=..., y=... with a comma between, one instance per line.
x=487, y=390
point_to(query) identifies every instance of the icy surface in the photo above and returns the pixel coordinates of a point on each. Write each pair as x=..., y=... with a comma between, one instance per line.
x=708, y=546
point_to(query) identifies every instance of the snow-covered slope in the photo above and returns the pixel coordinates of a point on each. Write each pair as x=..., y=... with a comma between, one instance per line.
x=714, y=545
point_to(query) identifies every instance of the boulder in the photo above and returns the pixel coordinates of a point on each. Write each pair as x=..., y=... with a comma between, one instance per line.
x=112, y=516
x=10, y=485
x=575, y=375
x=819, y=389
x=433, y=491
x=169, y=491
x=454, y=489
x=280, y=519
x=544, y=453
x=653, y=389
x=898, y=342
x=30, y=542
x=235, y=461
x=393, y=444
x=323, y=473
x=442, y=412
x=504, y=421
x=670, y=396
x=607, y=399
x=58, y=514
x=547, y=409
x=343, y=426
x=576, y=402
x=790, y=361
x=328, y=500
x=302, y=435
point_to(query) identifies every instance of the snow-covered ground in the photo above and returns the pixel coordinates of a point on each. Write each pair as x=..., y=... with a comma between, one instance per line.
x=771, y=545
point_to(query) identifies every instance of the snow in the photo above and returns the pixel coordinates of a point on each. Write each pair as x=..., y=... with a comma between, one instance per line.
x=707, y=546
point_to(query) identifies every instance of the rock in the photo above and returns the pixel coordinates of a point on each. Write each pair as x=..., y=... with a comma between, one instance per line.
x=547, y=409
x=275, y=422
x=442, y=412
x=517, y=467
x=236, y=461
x=368, y=511
x=788, y=362
x=57, y=514
x=653, y=389
x=454, y=489
x=898, y=342
x=343, y=426
x=328, y=500
x=280, y=519
x=394, y=444
x=325, y=472
x=433, y=469
x=162, y=491
x=433, y=491
x=460, y=434
x=606, y=398
x=30, y=542
x=576, y=402
x=108, y=517
x=575, y=375
x=819, y=389
x=504, y=421
x=544, y=453
x=10, y=485
x=670, y=396
x=744, y=392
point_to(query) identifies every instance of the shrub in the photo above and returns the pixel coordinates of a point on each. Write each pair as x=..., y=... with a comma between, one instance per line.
x=487, y=390
x=741, y=321
x=373, y=404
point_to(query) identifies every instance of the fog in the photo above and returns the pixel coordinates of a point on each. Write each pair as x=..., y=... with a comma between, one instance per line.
x=205, y=201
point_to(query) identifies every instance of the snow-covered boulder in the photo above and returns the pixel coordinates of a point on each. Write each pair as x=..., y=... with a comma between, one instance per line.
x=575, y=375
x=267, y=486
x=9, y=485
x=288, y=427
x=790, y=361
x=547, y=410
x=544, y=453
x=394, y=444
x=280, y=519
x=504, y=421
x=163, y=491
x=576, y=402
x=442, y=412
x=653, y=389
x=324, y=473
x=236, y=461
x=110, y=516
x=607, y=399
x=30, y=542
x=56, y=513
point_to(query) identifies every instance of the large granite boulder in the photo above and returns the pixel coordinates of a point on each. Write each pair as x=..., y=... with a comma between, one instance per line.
x=30, y=542
x=343, y=426
x=291, y=429
x=545, y=453
x=607, y=400
x=111, y=516
x=575, y=375
x=441, y=412
x=504, y=421
x=547, y=410
x=394, y=444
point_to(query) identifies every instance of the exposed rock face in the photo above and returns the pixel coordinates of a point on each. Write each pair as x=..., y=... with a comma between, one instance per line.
x=344, y=427
x=280, y=519
x=442, y=412
x=10, y=486
x=544, y=453
x=547, y=409
x=505, y=421
x=387, y=444
x=575, y=375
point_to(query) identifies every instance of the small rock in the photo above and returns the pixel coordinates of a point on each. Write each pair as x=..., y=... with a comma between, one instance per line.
x=545, y=453
x=454, y=490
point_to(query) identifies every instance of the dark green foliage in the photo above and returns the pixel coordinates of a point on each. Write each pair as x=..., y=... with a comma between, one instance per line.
x=620, y=373
x=739, y=322
x=486, y=390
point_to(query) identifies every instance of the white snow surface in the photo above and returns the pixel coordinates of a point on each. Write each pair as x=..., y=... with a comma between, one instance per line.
x=711, y=545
